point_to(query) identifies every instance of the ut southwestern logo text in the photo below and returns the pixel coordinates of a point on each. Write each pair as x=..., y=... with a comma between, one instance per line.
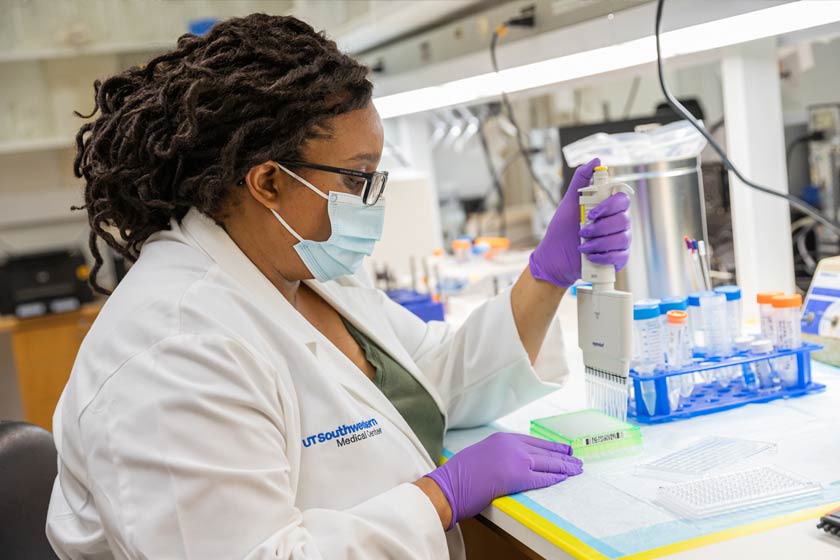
x=345, y=434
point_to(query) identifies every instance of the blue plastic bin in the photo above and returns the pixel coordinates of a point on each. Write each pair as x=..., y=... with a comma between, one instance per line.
x=418, y=303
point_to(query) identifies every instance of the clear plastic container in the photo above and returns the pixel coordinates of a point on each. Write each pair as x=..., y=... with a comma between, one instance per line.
x=712, y=453
x=765, y=311
x=588, y=432
x=678, y=303
x=734, y=492
x=678, y=355
x=716, y=332
x=787, y=329
x=695, y=320
x=462, y=249
x=733, y=323
x=763, y=370
x=647, y=331
x=733, y=309
x=672, y=141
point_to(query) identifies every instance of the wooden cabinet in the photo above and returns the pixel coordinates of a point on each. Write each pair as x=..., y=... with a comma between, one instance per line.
x=485, y=541
x=44, y=349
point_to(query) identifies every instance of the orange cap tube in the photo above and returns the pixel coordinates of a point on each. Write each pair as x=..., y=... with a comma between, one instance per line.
x=782, y=302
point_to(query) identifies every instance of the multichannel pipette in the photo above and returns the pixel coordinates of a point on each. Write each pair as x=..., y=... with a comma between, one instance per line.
x=605, y=317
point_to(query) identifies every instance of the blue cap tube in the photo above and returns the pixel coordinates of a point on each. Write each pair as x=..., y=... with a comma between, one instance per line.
x=673, y=304
x=732, y=293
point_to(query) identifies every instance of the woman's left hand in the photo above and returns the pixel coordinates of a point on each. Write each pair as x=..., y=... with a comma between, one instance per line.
x=557, y=258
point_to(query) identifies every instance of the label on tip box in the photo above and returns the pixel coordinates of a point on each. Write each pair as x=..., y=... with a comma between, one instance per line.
x=603, y=438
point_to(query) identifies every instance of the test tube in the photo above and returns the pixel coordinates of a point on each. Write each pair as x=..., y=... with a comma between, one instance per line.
x=733, y=322
x=763, y=370
x=647, y=331
x=678, y=355
x=462, y=249
x=787, y=328
x=656, y=302
x=678, y=303
x=716, y=332
x=695, y=320
x=765, y=311
x=733, y=309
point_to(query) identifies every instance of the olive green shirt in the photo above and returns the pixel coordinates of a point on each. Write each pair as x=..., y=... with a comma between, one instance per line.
x=407, y=395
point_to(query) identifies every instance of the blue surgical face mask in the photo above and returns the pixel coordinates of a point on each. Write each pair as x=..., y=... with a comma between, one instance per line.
x=355, y=231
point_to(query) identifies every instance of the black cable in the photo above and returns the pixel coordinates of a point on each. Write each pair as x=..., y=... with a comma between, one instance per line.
x=817, y=135
x=506, y=101
x=497, y=183
x=794, y=201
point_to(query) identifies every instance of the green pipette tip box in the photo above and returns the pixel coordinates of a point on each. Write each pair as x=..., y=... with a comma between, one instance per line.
x=588, y=432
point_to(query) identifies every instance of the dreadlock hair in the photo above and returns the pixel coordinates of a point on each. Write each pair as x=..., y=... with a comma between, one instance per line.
x=178, y=132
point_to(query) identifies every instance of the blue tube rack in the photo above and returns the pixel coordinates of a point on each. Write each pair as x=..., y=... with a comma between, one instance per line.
x=709, y=398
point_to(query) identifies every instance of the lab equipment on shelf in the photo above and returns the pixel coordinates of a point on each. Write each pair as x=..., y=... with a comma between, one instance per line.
x=710, y=455
x=589, y=433
x=787, y=329
x=462, y=249
x=734, y=492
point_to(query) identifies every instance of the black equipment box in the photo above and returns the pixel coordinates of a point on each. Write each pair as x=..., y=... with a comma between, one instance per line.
x=41, y=283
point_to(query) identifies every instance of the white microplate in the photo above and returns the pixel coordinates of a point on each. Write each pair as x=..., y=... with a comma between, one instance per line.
x=704, y=457
x=733, y=492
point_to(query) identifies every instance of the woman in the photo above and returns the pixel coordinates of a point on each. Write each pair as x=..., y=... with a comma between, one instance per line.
x=241, y=395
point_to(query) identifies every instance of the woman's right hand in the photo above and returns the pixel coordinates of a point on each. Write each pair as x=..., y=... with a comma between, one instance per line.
x=502, y=464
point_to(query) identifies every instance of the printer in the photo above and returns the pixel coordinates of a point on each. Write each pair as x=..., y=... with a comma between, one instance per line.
x=41, y=283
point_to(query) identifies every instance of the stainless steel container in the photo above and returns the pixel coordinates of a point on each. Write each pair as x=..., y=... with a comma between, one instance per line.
x=668, y=205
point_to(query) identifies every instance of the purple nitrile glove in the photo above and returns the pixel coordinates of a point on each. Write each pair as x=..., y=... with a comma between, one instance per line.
x=498, y=465
x=557, y=258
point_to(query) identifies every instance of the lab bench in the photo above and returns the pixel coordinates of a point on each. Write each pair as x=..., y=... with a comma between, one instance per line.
x=610, y=512
x=43, y=351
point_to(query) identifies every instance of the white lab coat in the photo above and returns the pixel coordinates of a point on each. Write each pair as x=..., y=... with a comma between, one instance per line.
x=206, y=418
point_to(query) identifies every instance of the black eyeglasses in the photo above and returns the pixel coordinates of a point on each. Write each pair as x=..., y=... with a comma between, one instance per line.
x=374, y=182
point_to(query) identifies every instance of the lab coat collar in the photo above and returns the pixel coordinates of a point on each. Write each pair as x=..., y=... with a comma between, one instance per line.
x=345, y=306
x=208, y=236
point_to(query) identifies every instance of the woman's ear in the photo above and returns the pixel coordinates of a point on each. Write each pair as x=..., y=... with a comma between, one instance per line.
x=265, y=182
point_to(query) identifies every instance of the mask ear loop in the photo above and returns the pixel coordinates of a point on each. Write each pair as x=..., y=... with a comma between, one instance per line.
x=285, y=225
x=305, y=182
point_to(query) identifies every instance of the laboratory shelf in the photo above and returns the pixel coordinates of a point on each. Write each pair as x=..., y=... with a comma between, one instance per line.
x=59, y=52
x=36, y=145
